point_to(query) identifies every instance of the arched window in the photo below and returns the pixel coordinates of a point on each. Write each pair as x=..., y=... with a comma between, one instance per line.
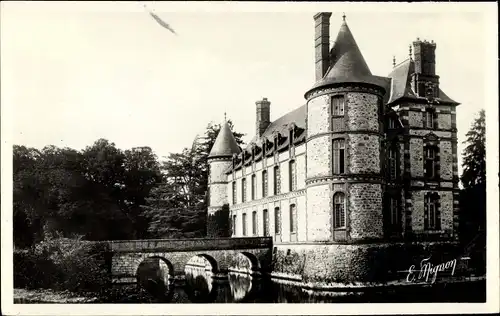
x=234, y=192
x=264, y=184
x=339, y=210
x=293, y=219
x=338, y=156
x=292, y=180
x=277, y=180
x=243, y=190
x=244, y=224
x=234, y=225
x=265, y=222
x=254, y=186
x=254, y=223
x=277, y=221
x=432, y=218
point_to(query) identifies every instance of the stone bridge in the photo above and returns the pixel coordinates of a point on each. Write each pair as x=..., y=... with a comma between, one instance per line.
x=249, y=255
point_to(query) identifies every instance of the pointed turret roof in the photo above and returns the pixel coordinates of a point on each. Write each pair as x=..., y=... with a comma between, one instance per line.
x=347, y=64
x=225, y=144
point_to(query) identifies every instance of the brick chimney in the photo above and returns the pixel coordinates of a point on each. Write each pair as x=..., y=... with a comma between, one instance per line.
x=322, y=42
x=263, y=116
x=425, y=80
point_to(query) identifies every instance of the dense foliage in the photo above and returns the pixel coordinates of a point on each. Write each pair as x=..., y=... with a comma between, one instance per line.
x=473, y=195
x=105, y=193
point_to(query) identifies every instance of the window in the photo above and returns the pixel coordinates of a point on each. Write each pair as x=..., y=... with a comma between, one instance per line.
x=429, y=119
x=395, y=217
x=254, y=223
x=277, y=221
x=243, y=190
x=234, y=192
x=393, y=171
x=254, y=186
x=293, y=218
x=234, y=225
x=244, y=219
x=431, y=162
x=277, y=180
x=338, y=105
x=293, y=176
x=339, y=210
x=432, y=217
x=264, y=184
x=338, y=156
x=392, y=123
x=265, y=221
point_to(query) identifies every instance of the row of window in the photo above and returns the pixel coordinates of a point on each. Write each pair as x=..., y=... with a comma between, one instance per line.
x=292, y=183
x=265, y=222
x=431, y=215
x=431, y=212
x=338, y=109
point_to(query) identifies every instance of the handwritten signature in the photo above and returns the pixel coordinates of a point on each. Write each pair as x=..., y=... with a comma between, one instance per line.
x=428, y=270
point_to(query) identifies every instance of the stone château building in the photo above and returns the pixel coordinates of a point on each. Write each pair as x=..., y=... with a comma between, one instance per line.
x=366, y=158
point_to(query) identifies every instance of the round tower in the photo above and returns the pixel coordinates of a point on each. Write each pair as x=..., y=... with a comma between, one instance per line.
x=344, y=132
x=219, y=160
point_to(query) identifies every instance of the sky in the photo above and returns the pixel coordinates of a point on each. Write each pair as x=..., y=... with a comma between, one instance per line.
x=76, y=72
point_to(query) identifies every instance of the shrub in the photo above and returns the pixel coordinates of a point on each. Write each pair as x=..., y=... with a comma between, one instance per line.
x=63, y=264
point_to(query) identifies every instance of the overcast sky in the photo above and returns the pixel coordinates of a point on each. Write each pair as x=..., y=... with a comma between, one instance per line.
x=76, y=72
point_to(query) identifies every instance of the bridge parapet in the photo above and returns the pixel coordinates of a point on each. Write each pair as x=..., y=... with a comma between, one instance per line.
x=192, y=244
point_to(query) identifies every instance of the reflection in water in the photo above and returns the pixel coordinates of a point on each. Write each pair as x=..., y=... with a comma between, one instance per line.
x=153, y=274
x=241, y=286
x=199, y=285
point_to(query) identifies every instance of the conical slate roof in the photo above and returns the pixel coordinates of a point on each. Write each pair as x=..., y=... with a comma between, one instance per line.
x=225, y=145
x=347, y=64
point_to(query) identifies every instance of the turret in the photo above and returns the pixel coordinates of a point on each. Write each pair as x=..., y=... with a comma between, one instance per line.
x=343, y=176
x=219, y=160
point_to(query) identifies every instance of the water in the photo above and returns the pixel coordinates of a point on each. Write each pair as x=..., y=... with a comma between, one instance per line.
x=201, y=286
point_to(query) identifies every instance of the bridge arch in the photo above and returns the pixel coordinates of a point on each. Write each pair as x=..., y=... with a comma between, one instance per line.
x=245, y=262
x=154, y=273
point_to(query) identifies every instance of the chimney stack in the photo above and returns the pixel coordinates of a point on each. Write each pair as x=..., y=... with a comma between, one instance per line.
x=425, y=81
x=263, y=116
x=322, y=43
x=425, y=57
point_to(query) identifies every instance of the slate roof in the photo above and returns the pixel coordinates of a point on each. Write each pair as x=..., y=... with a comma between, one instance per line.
x=400, y=86
x=225, y=144
x=281, y=125
x=347, y=64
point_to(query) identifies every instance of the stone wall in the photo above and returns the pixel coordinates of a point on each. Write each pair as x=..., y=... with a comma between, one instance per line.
x=363, y=154
x=327, y=264
x=318, y=115
x=446, y=209
x=318, y=157
x=365, y=212
x=362, y=112
x=319, y=213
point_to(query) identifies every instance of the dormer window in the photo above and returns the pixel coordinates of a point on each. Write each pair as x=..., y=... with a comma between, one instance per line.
x=338, y=102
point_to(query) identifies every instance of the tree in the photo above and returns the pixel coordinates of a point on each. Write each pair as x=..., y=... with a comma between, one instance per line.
x=95, y=193
x=178, y=206
x=474, y=155
x=473, y=196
